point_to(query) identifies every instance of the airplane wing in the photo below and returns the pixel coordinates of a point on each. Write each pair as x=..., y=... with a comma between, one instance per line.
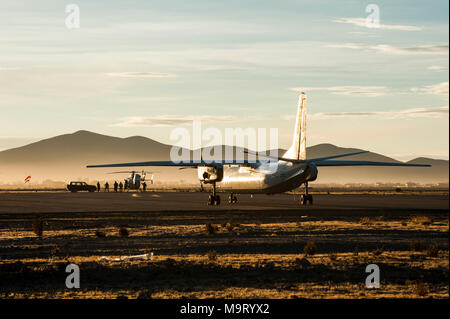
x=323, y=161
x=153, y=163
x=365, y=163
x=173, y=164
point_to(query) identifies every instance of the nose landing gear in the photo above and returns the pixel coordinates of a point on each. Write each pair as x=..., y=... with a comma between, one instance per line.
x=306, y=198
x=214, y=200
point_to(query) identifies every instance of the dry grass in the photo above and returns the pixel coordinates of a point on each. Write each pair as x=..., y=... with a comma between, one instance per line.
x=421, y=220
x=419, y=288
x=365, y=221
x=38, y=226
x=415, y=245
x=370, y=220
x=231, y=273
x=433, y=251
x=377, y=252
x=123, y=232
x=189, y=263
x=211, y=229
x=100, y=234
x=230, y=226
x=233, y=276
x=310, y=248
x=212, y=255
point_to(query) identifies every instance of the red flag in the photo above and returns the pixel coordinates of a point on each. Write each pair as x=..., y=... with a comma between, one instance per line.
x=27, y=179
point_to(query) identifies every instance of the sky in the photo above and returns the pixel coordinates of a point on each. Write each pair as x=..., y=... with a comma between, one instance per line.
x=147, y=67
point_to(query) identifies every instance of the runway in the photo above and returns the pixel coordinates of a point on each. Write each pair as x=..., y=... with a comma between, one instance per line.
x=178, y=202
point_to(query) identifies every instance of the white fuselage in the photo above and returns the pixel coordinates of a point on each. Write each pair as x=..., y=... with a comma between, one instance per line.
x=267, y=178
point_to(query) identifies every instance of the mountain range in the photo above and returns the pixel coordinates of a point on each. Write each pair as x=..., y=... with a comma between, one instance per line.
x=65, y=157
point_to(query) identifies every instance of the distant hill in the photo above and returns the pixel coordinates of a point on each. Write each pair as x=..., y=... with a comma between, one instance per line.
x=85, y=147
x=65, y=157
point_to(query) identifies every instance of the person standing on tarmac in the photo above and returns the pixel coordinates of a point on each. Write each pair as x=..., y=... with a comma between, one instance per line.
x=120, y=187
x=98, y=186
x=115, y=186
x=107, y=187
x=144, y=187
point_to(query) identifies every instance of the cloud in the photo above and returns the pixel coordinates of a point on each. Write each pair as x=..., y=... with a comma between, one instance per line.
x=140, y=75
x=170, y=120
x=409, y=113
x=385, y=48
x=370, y=91
x=361, y=22
x=437, y=68
x=436, y=89
x=145, y=99
x=374, y=91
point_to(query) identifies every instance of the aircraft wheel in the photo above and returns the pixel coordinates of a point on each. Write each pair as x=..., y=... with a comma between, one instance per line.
x=232, y=199
x=303, y=200
x=211, y=200
x=217, y=200
x=306, y=199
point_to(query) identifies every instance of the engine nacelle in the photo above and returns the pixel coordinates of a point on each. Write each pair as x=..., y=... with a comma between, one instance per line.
x=208, y=174
x=311, y=172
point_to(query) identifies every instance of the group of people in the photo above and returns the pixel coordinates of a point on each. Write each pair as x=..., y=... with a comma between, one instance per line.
x=119, y=187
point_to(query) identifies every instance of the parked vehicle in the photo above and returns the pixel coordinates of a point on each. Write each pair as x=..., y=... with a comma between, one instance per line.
x=80, y=187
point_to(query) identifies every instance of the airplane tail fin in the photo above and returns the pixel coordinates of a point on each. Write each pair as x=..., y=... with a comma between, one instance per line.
x=297, y=151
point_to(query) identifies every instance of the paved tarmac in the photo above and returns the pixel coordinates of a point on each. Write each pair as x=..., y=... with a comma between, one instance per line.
x=64, y=202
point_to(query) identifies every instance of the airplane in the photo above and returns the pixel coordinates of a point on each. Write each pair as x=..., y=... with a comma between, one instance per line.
x=278, y=175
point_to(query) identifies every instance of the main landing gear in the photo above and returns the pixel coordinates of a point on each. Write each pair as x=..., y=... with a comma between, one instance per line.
x=306, y=198
x=232, y=199
x=214, y=199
